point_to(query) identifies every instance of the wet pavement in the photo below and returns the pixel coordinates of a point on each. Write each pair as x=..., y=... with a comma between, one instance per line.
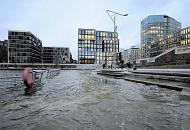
x=83, y=100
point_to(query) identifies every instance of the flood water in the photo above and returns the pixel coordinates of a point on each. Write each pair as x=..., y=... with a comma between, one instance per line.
x=83, y=100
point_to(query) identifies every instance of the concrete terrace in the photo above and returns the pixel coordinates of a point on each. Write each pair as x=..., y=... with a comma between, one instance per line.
x=175, y=79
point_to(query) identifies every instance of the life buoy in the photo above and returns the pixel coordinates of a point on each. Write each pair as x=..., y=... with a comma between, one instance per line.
x=28, y=77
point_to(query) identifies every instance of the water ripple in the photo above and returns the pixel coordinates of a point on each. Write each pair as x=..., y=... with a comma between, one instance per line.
x=83, y=100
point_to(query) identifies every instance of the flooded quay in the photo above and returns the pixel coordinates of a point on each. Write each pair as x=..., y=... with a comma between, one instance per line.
x=83, y=100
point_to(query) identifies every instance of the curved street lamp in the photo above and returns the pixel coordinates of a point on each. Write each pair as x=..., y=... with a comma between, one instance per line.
x=112, y=17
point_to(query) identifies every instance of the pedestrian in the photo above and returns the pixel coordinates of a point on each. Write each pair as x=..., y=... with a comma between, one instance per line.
x=103, y=66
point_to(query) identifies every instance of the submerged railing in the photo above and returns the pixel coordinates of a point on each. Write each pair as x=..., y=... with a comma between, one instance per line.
x=9, y=79
x=39, y=74
x=52, y=73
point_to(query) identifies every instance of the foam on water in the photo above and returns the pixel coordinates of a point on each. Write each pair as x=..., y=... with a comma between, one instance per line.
x=83, y=100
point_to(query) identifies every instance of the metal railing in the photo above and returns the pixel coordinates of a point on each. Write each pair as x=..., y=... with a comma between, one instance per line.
x=52, y=73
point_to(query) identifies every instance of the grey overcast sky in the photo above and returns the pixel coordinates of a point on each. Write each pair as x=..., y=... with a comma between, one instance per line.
x=56, y=22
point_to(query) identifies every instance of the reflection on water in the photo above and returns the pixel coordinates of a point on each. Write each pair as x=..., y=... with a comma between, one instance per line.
x=31, y=91
x=82, y=100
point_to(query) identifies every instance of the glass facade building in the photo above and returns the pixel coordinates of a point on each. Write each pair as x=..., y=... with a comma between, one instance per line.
x=56, y=55
x=24, y=47
x=180, y=39
x=3, y=51
x=155, y=28
x=184, y=41
x=162, y=45
x=174, y=49
x=131, y=54
x=86, y=46
x=96, y=47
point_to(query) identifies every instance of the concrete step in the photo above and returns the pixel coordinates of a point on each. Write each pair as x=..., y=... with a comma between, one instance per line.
x=163, y=77
x=177, y=83
x=111, y=74
x=166, y=73
x=160, y=84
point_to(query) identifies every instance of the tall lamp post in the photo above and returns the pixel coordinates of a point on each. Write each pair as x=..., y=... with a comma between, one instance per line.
x=113, y=19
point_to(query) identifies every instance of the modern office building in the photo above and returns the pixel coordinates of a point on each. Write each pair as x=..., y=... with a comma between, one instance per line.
x=185, y=39
x=56, y=55
x=176, y=50
x=155, y=28
x=107, y=46
x=125, y=56
x=3, y=51
x=131, y=54
x=180, y=39
x=97, y=47
x=24, y=47
x=134, y=54
x=86, y=46
x=183, y=51
x=162, y=45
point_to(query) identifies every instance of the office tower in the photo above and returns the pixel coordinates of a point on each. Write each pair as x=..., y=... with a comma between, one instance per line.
x=131, y=54
x=97, y=47
x=155, y=28
x=3, y=51
x=24, y=47
x=56, y=55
